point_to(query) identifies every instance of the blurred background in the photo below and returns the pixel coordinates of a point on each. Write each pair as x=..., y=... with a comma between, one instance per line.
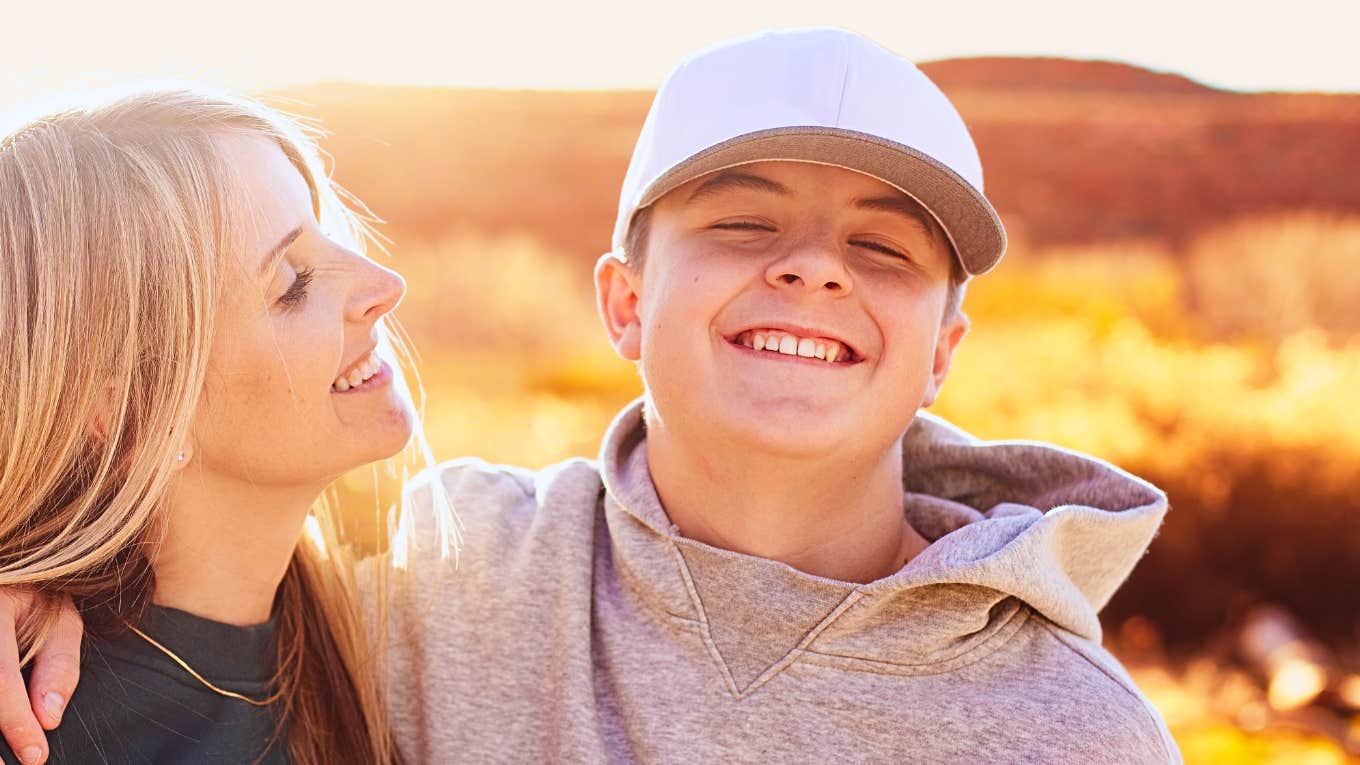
x=1180, y=297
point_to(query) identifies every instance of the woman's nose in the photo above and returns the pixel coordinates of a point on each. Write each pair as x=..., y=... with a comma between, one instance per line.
x=377, y=292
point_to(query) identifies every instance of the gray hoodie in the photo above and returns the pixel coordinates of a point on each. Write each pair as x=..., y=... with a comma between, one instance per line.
x=579, y=626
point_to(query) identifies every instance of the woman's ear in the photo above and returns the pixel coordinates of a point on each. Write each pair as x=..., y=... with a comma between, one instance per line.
x=102, y=423
x=184, y=456
x=617, y=290
x=102, y=415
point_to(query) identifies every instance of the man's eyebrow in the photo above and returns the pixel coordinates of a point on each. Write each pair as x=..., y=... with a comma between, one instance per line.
x=277, y=251
x=737, y=180
x=902, y=206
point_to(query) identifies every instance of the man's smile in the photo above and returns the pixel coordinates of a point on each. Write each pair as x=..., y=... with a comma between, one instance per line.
x=790, y=344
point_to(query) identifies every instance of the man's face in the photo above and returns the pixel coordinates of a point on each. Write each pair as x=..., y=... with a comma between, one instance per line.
x=788, y=307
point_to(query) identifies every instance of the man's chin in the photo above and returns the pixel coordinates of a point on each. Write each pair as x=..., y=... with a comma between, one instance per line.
x=791, y=437
x=767, y=422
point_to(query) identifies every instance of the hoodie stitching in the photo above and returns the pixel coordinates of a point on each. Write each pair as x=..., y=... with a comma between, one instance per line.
x=799, y=650
x=647, y=596
x=704, y=631
x=973, y=655
x=1143, y=703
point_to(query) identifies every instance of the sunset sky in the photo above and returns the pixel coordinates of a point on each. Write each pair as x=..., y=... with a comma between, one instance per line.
x=252, y=44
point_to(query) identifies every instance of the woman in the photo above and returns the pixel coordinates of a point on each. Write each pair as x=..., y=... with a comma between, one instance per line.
x=194, y=349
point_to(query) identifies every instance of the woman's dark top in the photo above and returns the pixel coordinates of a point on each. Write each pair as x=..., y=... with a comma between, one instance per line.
x=134, y=704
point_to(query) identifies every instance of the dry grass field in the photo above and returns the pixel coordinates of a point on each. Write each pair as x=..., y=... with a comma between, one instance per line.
x=1181, y=298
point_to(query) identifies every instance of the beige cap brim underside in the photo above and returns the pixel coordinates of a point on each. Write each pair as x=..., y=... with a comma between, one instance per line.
x=973, y=227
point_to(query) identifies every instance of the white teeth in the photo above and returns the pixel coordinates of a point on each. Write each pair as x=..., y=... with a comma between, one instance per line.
x=360, y=374
x=791, y=345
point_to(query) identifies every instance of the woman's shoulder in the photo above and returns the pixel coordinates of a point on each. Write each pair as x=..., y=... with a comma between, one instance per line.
x=134, y=705
x=97, y=711
x=100, y=722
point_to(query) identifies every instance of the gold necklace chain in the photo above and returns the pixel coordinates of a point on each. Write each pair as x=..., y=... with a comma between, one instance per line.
x=185, y=666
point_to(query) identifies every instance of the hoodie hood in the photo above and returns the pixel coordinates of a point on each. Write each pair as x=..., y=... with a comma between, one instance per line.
x=1009, y=523
x=1058, y=530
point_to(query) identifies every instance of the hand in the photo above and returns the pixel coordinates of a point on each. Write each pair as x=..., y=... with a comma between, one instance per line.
x=25, y=713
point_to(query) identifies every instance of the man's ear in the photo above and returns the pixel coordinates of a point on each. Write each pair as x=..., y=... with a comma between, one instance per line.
x=952, y=332
x=617, y=289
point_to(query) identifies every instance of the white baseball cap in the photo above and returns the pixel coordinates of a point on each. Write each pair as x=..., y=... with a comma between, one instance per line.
x=821, y=95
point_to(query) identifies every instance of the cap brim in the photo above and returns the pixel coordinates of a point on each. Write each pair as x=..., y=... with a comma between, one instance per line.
x=969, y=221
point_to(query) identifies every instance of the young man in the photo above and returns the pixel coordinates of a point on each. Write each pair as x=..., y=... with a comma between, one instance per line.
x=777, y=558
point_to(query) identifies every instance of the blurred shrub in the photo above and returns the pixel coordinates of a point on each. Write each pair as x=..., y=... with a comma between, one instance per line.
x=1256, y=442
x=1274, y=276
x=469, y=291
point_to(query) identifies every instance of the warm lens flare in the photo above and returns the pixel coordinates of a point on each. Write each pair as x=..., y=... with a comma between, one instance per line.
x=1349, y=691
x=311, y=529
x=1296, y=683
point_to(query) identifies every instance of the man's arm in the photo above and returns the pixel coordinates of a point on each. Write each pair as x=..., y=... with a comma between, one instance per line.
x=26, y=712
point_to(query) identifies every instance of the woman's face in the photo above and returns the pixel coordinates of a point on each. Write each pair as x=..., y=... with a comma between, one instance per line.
x=297, y=391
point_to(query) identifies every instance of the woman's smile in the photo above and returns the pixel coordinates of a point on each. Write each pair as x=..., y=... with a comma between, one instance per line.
x=367, y=373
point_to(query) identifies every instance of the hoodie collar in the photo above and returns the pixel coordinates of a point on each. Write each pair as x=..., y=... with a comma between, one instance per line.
x=1008, y=521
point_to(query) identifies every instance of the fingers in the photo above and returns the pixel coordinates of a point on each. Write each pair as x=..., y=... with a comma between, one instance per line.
x=17, y=723
x=56, y=667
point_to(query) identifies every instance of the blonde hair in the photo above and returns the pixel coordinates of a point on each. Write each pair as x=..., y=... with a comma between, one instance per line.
x=115, y=227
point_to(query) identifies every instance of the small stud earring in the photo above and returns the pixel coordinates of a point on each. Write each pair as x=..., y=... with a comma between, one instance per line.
x=180, y=457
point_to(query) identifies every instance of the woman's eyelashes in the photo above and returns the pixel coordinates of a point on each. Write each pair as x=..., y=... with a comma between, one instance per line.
x=296, y=294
